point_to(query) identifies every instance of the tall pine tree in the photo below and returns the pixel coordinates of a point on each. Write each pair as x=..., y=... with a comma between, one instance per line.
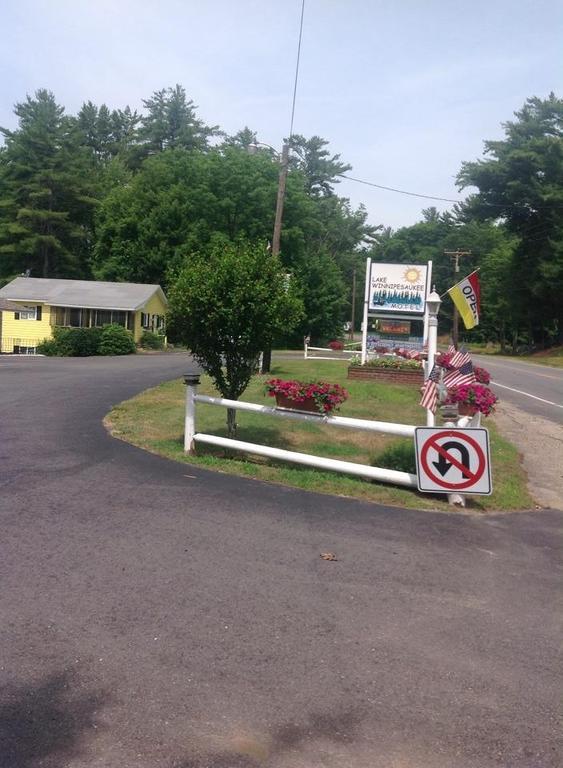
x=47, y=193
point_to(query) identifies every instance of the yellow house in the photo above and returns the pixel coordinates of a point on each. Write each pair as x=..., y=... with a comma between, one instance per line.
x=45, y=303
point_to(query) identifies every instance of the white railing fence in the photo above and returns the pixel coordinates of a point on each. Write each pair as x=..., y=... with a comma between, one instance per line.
x=347, y=352
x=192, y=437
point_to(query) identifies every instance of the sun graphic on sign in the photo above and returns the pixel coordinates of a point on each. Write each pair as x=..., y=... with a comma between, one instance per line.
x=412, y=275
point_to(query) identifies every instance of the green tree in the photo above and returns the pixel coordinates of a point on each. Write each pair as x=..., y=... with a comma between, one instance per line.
x=320, y=168
x=177, y=203
x=243, y=139
x=227, y=304
x=180, y=201
x=108, y=134
x=171, y=122
x=47, y=193
x=521, y=183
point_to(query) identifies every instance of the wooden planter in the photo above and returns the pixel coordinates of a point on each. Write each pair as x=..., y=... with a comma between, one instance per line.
x=411, y=376
x=307, y=406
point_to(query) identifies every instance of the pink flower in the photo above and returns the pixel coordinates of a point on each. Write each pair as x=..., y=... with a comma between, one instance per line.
x=327, y=396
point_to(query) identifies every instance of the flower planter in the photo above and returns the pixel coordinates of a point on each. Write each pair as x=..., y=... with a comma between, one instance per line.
x=390, y=375
x=464, y=409
x=318, y=397
x=307, y=406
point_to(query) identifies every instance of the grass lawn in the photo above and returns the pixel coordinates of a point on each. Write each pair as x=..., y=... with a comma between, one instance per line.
x=154, y=420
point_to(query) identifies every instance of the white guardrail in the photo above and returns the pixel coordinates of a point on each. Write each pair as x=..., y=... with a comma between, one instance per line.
x=192, y=437
x=346, y=353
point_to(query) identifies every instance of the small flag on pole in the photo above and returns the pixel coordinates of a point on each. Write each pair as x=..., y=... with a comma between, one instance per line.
x=460, y=357
x=462, y=375
x=466, y=295
x=429, y=397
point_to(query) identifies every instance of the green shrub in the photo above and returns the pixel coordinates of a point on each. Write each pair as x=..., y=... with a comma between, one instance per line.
x=150, y=340
x=399, y=455
x=72, y=342
x=48, y=347
x=116, y=340
x=85, y=342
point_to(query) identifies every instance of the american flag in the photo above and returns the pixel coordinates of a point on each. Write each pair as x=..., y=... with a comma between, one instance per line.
x=451, y=349
x=429, y=397
x=462, y=375
x=460, y=358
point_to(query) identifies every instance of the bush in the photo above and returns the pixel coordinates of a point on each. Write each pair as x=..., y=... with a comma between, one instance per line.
x=150, y=340
x=116, y=340
x=48, y=347
x=399, y=455
x=336, y=345
x=72, y=342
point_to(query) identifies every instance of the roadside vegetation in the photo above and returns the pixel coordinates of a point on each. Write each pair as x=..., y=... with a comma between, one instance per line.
x=154, y=421
x=552, y=357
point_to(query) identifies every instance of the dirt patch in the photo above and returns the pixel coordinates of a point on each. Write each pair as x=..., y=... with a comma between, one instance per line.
x=541, y=443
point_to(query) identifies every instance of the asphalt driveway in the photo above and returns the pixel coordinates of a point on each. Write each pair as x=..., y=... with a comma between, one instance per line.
x=154, y=615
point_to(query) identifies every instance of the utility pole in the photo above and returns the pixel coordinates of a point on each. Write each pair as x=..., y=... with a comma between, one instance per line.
x=353, y=304
x=284, y=163
x=456, y=256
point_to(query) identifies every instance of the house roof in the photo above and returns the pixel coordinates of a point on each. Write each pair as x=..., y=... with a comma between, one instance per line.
x=8, y=306
x=90, y=294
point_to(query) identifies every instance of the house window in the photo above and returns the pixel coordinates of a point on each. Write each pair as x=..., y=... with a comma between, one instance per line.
x=102, y=317
x=21, y=350
x=75, y=318
x=26, y=313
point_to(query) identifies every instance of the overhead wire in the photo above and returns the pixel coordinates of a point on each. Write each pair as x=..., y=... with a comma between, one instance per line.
x=297, y=69
x=442, y=199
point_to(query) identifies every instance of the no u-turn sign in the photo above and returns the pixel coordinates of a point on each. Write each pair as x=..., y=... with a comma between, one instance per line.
x=453, y=460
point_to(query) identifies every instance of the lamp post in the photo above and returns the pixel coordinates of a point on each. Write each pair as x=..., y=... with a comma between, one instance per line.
x=276, y=237
x=433, y=305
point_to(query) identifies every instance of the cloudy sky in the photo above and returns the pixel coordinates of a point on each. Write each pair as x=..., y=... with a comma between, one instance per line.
x=404, y=90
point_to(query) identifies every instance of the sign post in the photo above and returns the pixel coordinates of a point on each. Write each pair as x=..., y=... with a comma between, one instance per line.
x=453, y=460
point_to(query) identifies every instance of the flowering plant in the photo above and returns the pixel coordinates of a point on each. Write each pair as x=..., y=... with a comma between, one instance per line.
x=336, y=345
x=394, y=363
x=476, y=396
x=444, y=360
x=327, y=397
x=482, y=375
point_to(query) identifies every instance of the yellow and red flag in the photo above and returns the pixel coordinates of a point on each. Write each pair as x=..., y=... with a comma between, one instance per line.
x=466, y=295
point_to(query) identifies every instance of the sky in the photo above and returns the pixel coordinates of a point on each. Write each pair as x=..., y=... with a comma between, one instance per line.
x=404, y=90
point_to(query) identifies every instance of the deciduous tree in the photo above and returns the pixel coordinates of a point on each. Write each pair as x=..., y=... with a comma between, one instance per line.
x=228, y=303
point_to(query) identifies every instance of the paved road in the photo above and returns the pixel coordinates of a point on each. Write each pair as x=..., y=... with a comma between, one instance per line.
x=159, y=616
x=536, y=389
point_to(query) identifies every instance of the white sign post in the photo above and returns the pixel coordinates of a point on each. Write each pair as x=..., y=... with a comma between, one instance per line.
x=450, y=460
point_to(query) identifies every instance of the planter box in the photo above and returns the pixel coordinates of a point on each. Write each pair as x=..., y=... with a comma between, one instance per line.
x=390, y=375
x=307, y=406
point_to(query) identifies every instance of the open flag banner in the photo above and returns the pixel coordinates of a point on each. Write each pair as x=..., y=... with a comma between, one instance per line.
x=466, y=295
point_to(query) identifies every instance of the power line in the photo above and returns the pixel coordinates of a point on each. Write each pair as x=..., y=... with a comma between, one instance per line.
x=447, y=199
x=399, y=191
x=297, y=68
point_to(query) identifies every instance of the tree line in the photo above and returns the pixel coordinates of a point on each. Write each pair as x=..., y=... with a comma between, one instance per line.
x=121, y=195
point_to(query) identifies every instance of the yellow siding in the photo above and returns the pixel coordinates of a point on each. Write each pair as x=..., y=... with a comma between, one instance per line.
x=154, y=306
x=26, y=333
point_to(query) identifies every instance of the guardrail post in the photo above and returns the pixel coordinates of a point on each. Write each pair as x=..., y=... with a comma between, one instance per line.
x=191, y=380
